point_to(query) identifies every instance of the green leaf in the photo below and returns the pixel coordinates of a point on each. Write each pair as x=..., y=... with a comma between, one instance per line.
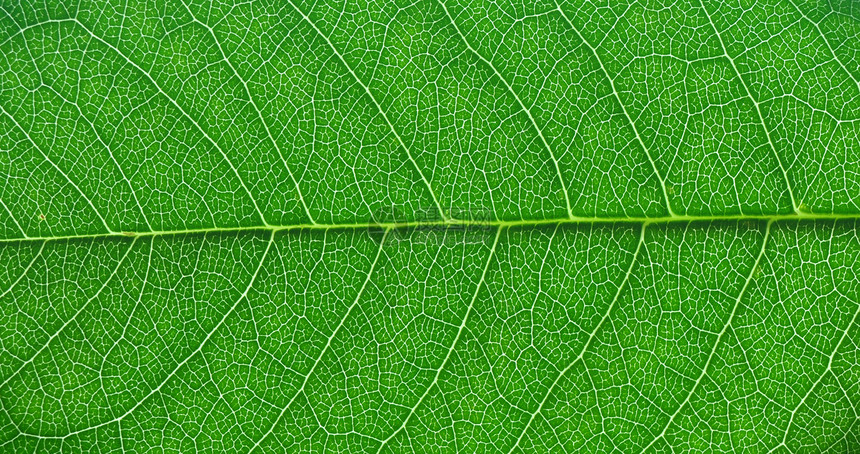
x=434, y=226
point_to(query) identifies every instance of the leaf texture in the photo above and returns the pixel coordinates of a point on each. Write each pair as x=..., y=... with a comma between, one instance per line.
x=432, y=226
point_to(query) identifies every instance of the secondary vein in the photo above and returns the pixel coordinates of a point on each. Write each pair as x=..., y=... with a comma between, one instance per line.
x=327, y=345
x=453, y=344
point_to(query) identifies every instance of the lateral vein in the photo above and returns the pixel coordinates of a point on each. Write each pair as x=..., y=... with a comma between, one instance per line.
x=591, y=337
x=722, y=332
x=521, y=104
x=453, y=344
x=327, y=345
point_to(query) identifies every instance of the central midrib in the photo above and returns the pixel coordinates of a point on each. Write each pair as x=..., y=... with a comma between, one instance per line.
x=430, y=224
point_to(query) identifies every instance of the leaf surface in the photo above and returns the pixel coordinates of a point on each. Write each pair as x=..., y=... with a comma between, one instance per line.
x=437, y=226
